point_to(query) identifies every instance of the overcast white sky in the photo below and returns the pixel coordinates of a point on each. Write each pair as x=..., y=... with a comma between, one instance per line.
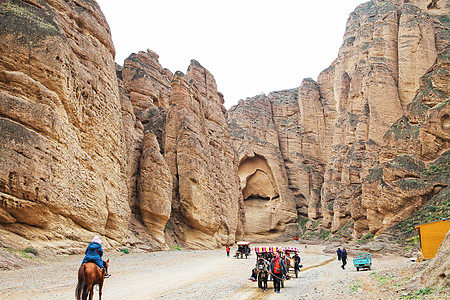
x=249, y=46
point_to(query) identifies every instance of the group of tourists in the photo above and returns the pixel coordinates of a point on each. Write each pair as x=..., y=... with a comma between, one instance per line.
x=276, y=268
x=243, y=249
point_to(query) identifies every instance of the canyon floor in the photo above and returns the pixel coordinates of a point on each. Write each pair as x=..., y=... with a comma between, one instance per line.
x=209, y=274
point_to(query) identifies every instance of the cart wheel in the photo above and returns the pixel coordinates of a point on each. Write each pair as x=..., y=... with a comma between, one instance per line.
x=357, y=268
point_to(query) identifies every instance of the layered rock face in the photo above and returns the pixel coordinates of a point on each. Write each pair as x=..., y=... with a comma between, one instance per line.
x=390, y=51
x=187, y=189
x=364, y=146
x=62, y=150
x=206, y=199
x=135, y=154
x=138, y=154
x=269, y=204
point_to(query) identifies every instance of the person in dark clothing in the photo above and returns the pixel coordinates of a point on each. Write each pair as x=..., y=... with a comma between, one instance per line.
x=339, y=253
x=344, y=258
x=94, y=254
x=297, y=265
x=278, y=270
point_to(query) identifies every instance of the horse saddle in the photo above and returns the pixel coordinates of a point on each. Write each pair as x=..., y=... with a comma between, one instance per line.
x=101, y=269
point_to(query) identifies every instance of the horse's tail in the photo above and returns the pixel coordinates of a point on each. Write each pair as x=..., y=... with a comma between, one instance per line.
x=81, y=282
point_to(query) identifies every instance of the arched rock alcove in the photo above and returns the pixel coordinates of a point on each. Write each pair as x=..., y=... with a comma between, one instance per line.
x=256, y=178
x=259, y=188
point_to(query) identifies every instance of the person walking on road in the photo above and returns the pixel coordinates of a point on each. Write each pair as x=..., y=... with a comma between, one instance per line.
x=344, y=258
x=228, y=250
x=278, y=270
x=339, y=253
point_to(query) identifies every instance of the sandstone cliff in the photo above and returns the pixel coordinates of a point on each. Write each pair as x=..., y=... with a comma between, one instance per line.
x=186, y=186
x=135, y=154
x=365, y=146
x=143, y=156
x=63, y=173
x=268, y=202
x=389, y=53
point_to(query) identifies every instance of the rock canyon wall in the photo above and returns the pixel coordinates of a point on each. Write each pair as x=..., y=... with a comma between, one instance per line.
x=366, y=145
x=62, y=141
x=135, y=154
x=150, y=158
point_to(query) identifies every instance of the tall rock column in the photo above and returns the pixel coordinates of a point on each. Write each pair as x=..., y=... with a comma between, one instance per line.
x=146, y=85
x=205, y=209
x=63, y=172
x=416, y=49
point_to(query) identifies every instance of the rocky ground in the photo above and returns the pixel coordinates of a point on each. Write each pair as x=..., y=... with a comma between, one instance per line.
x=210, y=274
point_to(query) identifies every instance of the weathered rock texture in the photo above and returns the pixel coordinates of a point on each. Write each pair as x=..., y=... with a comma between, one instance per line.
x=186, y=184
x=268, y=202
x=365, y=146
x=205, y=203
x=390, y=51
x=437, y=273
x=134, y=153
x=63, y=173
x=138, y=154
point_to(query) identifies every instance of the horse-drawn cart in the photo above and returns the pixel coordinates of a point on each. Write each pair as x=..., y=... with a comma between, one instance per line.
x=243, y=249
x=261, y=271
x=291, y=259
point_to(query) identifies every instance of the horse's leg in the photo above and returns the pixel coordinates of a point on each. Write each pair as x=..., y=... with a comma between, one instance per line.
x=86, y=290
x=83, y=292
x=100, y=285
x=81, y=285
x=91, y=291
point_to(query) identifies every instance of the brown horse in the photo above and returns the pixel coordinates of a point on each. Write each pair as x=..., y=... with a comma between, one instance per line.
x=88, y=276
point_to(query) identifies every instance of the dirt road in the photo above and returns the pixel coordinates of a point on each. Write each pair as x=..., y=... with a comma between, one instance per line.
x=189, y=274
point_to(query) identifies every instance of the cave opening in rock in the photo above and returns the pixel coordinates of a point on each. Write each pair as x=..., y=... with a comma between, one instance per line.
x=260, y=193
x=257, y=181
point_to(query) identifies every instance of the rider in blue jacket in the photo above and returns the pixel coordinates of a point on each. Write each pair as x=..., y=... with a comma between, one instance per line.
x=94, y=254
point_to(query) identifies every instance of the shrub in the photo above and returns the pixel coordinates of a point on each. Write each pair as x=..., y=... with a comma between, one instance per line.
x=355, y=287
x=424, y=291
x=31, y=250
x=365, y=239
